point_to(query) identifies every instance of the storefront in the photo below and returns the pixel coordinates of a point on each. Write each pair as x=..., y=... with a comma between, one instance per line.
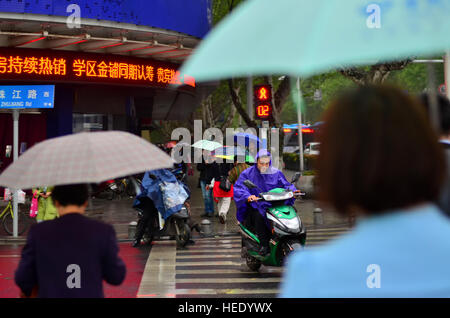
x=116, y=67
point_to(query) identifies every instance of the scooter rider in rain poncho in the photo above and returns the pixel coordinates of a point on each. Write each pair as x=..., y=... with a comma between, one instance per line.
x=252, y=213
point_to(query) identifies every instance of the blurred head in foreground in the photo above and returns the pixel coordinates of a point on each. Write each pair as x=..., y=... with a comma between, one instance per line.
x=70, y=197
x=378, y=152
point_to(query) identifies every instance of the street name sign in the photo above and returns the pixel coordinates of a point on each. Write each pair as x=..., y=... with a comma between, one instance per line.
x=27, y=96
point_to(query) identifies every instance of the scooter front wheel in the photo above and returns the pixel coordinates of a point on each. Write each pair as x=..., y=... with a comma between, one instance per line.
x=183, y=233
x=287, y=248
x=253, y=264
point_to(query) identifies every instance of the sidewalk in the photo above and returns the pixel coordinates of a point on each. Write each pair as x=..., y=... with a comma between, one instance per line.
x=119, y=213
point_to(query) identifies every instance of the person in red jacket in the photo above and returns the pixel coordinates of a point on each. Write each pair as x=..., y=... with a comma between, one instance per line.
x=221, y=196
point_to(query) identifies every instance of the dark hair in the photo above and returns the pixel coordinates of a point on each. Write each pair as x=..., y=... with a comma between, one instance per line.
x=444, y=111
x=378, y=152
x=72, y=194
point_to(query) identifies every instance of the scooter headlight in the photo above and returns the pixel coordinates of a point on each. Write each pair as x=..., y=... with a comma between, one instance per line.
x=292, y=224
x=289, y=225
x=278, y=197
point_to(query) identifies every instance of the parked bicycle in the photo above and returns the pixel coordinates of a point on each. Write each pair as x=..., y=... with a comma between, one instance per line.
x=7, y=218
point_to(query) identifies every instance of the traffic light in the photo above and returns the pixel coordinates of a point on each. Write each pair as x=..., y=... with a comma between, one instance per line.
x=263, y=102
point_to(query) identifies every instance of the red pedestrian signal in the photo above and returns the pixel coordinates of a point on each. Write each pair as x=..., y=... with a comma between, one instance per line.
x=263, y=102
x=263, y=93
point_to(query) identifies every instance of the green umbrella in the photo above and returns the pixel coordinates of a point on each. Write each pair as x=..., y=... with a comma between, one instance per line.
x=306, y=37
x=207, y=145
x=248, y=158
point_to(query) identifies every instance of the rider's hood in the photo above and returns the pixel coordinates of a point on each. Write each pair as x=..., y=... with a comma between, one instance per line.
x=266, y=153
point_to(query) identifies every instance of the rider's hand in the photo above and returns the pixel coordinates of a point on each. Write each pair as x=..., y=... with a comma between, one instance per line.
x=252, y=198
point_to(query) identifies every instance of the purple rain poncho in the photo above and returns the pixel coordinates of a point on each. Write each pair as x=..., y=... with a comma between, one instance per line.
x=273, y=178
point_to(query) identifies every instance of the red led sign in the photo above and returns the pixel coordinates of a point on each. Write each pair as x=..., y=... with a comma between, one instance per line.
x=263, y=111
x=31, y=64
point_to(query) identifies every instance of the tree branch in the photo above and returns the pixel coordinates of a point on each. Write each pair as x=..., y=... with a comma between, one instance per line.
x=377, y=74
x=227, y=123
x=234, y=93
x=281, y=95
x=355, y=75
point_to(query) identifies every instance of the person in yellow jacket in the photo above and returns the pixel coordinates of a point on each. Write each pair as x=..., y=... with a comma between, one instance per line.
x=46, y=209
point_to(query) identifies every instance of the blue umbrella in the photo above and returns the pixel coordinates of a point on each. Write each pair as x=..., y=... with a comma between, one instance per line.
x=229, y=151
x=244, y=139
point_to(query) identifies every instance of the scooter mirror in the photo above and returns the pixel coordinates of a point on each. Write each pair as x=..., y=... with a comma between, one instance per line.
x=296, y=177
x=249, y=184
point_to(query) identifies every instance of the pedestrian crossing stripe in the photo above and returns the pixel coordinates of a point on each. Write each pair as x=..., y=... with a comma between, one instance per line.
x=213, y=267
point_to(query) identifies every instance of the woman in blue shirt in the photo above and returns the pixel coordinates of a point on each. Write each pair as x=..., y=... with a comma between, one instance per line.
x=379, y=160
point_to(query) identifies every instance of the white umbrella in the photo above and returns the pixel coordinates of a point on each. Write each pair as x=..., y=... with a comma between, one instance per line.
x=88, y=157
x=207, y=145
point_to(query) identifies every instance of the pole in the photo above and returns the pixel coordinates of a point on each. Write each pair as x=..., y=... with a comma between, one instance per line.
x=250, y=97
x=447, y=73
x=15, y=156
x=299, y=120
x=432, y=99
x=265, y=135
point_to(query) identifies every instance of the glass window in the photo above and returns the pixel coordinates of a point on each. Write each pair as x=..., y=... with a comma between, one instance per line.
x=89, y=122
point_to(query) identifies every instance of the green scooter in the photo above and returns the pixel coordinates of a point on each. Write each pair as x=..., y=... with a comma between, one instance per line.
x=288, y=232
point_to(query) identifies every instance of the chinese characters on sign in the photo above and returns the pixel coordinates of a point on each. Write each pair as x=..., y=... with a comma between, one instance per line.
x=76, y=67
x=32, y=65
x=27, y=96
x=125, y=71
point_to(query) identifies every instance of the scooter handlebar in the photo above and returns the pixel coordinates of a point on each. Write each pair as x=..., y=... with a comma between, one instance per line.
x=257, y=199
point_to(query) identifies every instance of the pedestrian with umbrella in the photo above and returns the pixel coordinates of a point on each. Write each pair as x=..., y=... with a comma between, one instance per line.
x=71, y=255
x=236, y=171
x=250, y=143
x=390, y=177
x=209, y=170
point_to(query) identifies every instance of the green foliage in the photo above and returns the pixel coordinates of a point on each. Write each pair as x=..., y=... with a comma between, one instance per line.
x=221, y=8
x=414, y=77
x=291, y=161
x=329, y=83
x=309, y=173
x=157, y=136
